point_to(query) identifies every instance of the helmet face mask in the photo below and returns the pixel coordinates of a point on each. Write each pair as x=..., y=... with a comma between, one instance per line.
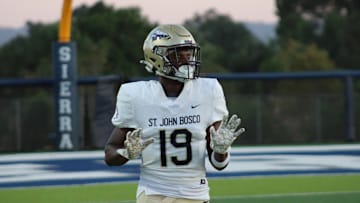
x=181, y=61
x=171, y=51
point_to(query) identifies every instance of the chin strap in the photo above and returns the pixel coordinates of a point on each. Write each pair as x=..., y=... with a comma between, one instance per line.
x=183, y=80
x=148, y=66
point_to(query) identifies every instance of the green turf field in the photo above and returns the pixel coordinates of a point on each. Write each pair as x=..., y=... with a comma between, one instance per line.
x=282, y=189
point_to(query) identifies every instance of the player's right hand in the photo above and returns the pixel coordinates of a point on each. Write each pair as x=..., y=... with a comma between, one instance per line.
x=134, y=144
x=225, y=135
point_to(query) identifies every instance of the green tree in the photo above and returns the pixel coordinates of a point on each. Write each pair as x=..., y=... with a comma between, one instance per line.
x=29, y=56
x=331, y=25
x=233, y=47
x=296, y=57
x=293, y=104
x=110, y=40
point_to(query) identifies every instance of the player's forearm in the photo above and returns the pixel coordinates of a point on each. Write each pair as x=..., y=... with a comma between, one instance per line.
x=112, y=158
x=220, y=157
x=219, y=161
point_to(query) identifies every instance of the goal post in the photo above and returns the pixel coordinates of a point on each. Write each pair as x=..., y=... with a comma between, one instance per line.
x=65, y=83
x=64, y=34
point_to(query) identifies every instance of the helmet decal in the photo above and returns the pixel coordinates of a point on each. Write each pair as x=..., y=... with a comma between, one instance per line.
x=159, y=35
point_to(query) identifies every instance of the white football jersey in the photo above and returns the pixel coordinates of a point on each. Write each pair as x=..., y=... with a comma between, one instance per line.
x=174, y=165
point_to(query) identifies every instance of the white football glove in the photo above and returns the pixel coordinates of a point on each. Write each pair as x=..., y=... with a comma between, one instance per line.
x=226, y=134
x=134, y=145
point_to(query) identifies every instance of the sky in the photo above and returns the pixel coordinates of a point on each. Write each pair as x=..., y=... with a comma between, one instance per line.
x=15, y=13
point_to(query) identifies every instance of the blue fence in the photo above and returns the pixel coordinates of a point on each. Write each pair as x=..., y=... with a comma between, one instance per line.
x=346, y=76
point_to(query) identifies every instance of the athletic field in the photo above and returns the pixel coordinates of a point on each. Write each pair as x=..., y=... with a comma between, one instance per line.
x=285, y=189
x=304, y=174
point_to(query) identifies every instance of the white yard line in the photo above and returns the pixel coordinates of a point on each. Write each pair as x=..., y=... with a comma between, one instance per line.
x=263, y=196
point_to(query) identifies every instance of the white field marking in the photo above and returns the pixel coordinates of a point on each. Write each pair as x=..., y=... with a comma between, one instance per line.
x=24, y=172
x=123, y=202
x=259, y=163
x=48, y=176
x=42, y=156
x=290, y=162
x=50, y=187
x=285, y=148
x=258, y=196
x=46, y=156
x=126, y=201
x=20, y=169
x=283, y=195
x=39, y=156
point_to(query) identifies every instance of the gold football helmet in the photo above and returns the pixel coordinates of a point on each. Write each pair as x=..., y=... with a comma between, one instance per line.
x=171, y=51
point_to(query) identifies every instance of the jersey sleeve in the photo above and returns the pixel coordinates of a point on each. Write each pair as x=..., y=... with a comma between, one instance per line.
x=124, y=111
x=219, y=103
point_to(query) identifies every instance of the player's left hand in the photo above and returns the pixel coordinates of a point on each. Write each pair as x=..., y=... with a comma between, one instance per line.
x=226, y=134
x=134, y=144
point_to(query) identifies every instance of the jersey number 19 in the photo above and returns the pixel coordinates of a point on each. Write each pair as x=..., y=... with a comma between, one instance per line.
x=176, y=144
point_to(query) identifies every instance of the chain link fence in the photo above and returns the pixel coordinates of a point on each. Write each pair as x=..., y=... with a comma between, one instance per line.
x=270, y=117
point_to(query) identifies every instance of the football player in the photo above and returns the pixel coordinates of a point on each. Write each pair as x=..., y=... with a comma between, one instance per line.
x=173, y=123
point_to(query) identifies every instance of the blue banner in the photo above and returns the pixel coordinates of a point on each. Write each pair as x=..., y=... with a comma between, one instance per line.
x=66, y=104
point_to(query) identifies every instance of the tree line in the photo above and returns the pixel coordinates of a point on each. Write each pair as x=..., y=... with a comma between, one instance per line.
x=311, y=35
